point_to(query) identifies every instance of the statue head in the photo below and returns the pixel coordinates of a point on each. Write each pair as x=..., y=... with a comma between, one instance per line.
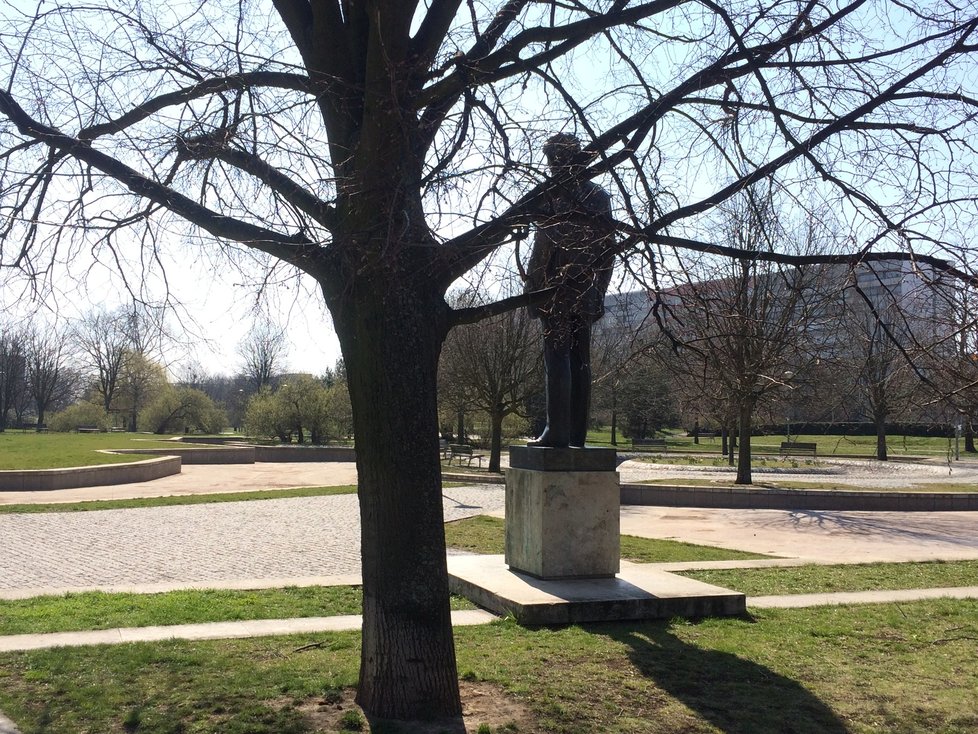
x=561, y=149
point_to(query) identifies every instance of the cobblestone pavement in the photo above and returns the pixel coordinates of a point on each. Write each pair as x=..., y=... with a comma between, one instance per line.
x=271, y=539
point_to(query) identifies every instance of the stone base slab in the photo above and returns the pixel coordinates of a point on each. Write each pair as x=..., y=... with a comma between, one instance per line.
x=637, y=592
x=563, y=524
x=543, y=458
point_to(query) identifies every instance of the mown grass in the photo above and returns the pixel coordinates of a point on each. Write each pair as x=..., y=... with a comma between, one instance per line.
x=762, y=462
x=830, y=670
x=183, y=499
x=816, y=579
x=97, y=610
x=828, y=445
x=487, y=535
x=20, y=450
x=769, y=483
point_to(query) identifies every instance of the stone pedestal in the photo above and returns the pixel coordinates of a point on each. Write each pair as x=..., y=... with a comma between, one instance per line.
x=562, y=513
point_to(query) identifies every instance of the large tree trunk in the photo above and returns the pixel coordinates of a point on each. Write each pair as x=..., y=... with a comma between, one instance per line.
x=969, y=436
x=460, y=430
x=879, y=419
x=881, y=439
x=743, y=451
x=496, y=440
x=391, y=338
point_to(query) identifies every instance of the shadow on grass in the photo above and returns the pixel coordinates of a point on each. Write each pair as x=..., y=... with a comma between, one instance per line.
x=735, y=695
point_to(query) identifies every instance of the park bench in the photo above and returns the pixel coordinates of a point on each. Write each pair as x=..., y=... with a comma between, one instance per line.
x=88, y=429
x=651, y=443
x=463, y=452
x=797, y=448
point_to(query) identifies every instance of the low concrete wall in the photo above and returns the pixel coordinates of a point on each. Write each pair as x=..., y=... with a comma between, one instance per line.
x=218, y=440
x=31, y=480
x=211, y=455
x=797, y=499
x=281, y=454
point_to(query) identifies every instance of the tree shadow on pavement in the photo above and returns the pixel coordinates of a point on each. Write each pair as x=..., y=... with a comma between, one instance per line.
x=736, y=695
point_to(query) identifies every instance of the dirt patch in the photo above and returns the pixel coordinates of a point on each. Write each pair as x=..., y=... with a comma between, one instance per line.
x=482, y=704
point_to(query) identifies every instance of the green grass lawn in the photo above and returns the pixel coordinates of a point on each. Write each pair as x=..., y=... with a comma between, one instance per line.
x=97, y=610
x=487, y=535
x=57, y=450
x=828, y=445
x=777, y=483
x=829, y=670
x=760, y=462
x=187, y=499
x=844, y=577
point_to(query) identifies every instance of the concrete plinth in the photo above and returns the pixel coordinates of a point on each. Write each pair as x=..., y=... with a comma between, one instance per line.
x=562, y=521
x=637, y=592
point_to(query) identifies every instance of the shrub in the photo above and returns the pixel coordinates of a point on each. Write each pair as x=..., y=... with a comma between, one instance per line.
x=79, y=414
x=182, y=410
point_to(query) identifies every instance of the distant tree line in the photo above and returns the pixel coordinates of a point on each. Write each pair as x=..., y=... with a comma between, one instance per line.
x=107, y=371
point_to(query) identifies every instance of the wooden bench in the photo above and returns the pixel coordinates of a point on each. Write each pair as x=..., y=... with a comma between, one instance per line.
x=798, y=448
x=651, y=443
x=88, y=429
x=463, y=452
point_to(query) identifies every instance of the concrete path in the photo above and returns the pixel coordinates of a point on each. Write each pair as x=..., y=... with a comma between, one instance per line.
x=7, y=726
x=210, y=631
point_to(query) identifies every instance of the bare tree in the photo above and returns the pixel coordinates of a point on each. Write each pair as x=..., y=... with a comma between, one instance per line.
x=13, y=371
x=746, y=328
x=895, y=340
x=104, y=338
x=386, y=148
x=496, y=365
x=51, y=377
x=263, y=353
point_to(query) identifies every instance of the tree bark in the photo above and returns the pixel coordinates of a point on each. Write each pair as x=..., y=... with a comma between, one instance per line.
x=391, y=334
x=969, y=437
x=881, y=438
x=743, y=450
x=496, y=445
x=880, y=412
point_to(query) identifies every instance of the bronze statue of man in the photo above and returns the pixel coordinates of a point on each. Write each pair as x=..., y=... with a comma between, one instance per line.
x=573, y=253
